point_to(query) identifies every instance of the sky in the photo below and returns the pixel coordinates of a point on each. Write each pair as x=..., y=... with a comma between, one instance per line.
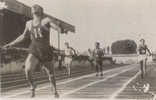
x=105, y=21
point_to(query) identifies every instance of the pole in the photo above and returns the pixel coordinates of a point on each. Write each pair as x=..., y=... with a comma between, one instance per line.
x=1, y=26
x=1, y=34
x=58, y=41
x=59, y=56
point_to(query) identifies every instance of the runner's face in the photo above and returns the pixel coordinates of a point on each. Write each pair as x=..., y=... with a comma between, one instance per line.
x=97, y=45
x=67, y=45
x=142, y=42
x=36, y=13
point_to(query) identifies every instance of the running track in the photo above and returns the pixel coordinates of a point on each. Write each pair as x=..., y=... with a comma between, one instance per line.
x=114, y=82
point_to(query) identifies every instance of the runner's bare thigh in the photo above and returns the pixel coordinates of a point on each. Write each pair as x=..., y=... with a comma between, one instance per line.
x=31, y=62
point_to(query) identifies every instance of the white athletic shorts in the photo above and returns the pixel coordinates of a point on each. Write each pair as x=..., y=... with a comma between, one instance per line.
x=142, y=57
x=67, y=61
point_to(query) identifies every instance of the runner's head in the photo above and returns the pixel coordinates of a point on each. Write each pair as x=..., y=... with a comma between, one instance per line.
x=89, y=50
x=37, y=10
x=66, y=44
x=142, y=41
x=97, y=44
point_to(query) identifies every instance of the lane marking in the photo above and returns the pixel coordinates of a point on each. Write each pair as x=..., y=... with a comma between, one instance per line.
x=65, y=82
x=95, y=82
x=114, y=95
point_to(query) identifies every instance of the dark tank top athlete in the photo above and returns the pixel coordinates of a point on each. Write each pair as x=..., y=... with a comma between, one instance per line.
x=40, y=52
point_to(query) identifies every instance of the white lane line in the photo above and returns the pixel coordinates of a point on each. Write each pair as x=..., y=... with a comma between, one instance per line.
x=114, y=95
x=95, y=82
x=64, y=82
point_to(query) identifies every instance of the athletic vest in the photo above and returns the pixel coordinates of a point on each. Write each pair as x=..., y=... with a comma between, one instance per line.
x=98, y=52
x=39, y=33
x=69, y=51
x=142, y=49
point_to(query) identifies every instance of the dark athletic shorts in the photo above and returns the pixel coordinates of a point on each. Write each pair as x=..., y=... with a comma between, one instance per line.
x=43, y=52
x=99, y=61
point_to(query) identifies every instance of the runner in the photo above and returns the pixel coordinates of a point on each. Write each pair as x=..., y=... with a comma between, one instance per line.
x=97, y=54
x=69, y=53
x=40, y=51
x=142, y=51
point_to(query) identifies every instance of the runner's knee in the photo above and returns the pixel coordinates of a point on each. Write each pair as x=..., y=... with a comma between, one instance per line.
x=50, y=76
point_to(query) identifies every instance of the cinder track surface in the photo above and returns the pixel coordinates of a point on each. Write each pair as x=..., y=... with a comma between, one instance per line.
x=115, y=84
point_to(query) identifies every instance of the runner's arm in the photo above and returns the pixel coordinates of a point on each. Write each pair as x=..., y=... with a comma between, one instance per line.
x=54, y=25
x=138, y=48
x=73, y=50
x=20, y=38
x=148, y=50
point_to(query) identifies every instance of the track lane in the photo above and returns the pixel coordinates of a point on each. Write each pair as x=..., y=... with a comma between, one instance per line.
x=105, y=88
x=76, y=83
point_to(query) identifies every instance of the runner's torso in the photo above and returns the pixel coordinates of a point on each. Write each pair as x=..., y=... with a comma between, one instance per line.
x=98, y=53
x=39, y=33
x=142, y=49
x=69, y=51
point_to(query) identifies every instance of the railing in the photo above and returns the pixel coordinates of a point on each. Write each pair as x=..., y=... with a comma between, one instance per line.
x=121, y=55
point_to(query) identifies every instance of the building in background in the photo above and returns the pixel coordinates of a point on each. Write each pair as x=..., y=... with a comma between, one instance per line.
x=13, y=16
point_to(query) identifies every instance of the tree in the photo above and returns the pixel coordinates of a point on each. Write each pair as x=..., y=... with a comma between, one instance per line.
x=124, y=47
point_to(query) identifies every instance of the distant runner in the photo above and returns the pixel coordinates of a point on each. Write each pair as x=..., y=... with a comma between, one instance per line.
x=69, y=53
x=98, y=54
x=142, y=51
x=40, y=51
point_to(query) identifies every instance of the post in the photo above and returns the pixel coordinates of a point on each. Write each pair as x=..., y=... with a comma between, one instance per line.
x=1, y=26
x=1, y=36
x=59, y=54
x=58, y=41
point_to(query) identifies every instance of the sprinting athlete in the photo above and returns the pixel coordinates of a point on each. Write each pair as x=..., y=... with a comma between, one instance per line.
x=142, y=51
x=69, y=53
x=98, y=54
x=40, y=51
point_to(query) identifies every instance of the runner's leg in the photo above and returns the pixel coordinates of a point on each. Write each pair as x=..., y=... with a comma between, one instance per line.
x=97, y=68
x=141, y=69
x=69, y=70
x=145, y=66
x=68, y=65
x=30, y=65
x=49, y=68
x=101, y=68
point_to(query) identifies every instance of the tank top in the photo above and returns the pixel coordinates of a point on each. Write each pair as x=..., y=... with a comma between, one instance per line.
x=98, y=53
x=40, y=33
x=69, y=51
x=142, y=49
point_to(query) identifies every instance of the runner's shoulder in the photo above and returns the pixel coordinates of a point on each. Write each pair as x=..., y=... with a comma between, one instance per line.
x=47, y=20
